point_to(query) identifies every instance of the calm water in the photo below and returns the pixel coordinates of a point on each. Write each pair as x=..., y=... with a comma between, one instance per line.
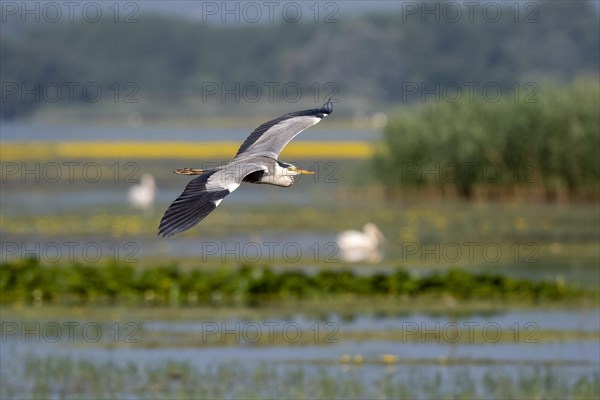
x=571, y=358
x=557, y=230
x=577, y=320
x=14, y=131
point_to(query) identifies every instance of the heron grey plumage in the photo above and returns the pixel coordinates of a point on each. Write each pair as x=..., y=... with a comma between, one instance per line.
x=255, y=162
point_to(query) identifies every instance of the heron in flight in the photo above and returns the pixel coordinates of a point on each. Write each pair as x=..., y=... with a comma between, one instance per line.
x=255, y=162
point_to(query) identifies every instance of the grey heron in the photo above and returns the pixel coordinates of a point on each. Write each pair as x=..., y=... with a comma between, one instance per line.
x=255, y=162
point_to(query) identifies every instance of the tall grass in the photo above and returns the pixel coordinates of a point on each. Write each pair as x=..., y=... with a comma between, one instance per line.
x=549, y=142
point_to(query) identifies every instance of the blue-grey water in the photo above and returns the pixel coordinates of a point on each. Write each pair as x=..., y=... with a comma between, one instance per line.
x=526, y=321
x=24, y=131
x=571, y=359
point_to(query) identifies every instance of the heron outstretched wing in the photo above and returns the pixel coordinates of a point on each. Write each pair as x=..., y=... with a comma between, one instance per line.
x=202, y=195
x=271, y=137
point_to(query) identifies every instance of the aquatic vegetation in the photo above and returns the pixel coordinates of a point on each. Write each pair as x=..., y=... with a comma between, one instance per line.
x=20, y=151
x=29, y=281
x=65, y=377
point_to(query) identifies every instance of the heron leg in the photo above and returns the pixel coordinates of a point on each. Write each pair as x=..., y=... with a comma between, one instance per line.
x=189, y=171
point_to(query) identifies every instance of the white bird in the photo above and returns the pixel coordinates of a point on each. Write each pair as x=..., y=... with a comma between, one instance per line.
x=142, y=195
x=357, y=246
x=255, y=162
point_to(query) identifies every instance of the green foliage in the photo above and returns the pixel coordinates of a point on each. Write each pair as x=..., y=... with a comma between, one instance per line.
x=550, y=144
x=29, y=282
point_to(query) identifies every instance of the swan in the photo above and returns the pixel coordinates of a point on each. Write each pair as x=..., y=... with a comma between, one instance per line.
x=142, y=195
x=362, y=245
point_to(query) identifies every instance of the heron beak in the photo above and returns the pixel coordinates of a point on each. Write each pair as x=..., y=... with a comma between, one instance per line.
x=301, y=171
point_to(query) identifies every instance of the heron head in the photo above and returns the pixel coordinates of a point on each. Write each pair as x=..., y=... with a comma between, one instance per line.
x=286, y=174
x=292, y=170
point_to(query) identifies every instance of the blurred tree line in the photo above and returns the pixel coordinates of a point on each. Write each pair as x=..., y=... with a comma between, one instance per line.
x=369, y=58
x=549, y=145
